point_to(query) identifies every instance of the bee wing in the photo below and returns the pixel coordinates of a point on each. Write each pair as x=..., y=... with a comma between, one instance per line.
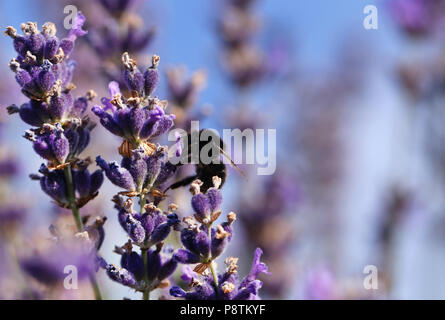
x=233, y=163
x=171, y=153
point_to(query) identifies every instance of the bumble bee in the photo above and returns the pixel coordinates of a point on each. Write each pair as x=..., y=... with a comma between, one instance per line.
x=205, y=172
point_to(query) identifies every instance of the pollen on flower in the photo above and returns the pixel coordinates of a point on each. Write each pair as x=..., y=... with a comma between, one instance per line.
x=128, y=246
x=173, y=207
x=60, y=131
x=128, y=63
x=155, y=61
x=82, y=236
x=195, y=283
x=49, y=28
x=117, y=100
x=221, y=233
x=29, y=28
x=231, y=217
x=11, y=32
x=227, y=287
x=58, y=57
x=128, y=204
x=216, y=181
x=191, y=223
x=14, y=65
x=232, y=265
x=195, y=187
x=90, y=95
x=30, y=58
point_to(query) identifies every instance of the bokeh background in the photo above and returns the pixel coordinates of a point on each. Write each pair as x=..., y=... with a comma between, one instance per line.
x=359, y=116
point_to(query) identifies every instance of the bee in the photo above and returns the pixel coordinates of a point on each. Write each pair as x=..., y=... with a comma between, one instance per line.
x=206, y=172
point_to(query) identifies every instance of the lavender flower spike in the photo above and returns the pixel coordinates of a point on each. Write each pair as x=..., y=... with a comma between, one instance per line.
x=228, y=286
x=139, y=118
x=60, y=133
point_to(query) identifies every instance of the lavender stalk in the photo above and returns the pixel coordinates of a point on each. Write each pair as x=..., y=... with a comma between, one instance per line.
x=61, y=131
x=142, y=173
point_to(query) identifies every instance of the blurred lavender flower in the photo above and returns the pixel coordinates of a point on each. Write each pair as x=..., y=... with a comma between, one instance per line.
x=417, y=17
x=8, y=167
x=267, y=223
x=237, y=25
x=117, y=7
x=48, y=265
x=11, y=214
x=121, y=31
x=319, y=284
x=183, y=93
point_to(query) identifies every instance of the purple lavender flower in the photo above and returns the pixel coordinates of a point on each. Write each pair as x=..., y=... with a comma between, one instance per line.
x=229, y=286
x=202, y=243
x=140, y=117
x=86, y=185
x=50, y=143
x=59, y=108
x=123, y=276
x=59, y=145
x=42, y=66
x=270, y=217
x=133, y=273
x=147, y=229
x=205, y=205
x=199, y=247
x=137, y=173
x=44, y=72
x=53, y=184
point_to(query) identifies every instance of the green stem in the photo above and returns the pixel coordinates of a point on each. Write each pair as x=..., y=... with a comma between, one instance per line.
x=146, y=293
x=212, y=266
x=142, y=201
x=72, y=198
x=214, y=275
x=95, y=286
x=78, y=221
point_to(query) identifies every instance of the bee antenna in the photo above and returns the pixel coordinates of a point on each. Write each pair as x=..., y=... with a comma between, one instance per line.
x=233, y=164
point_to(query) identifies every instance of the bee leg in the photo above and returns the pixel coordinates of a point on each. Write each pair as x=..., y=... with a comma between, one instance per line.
x=182, y=183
